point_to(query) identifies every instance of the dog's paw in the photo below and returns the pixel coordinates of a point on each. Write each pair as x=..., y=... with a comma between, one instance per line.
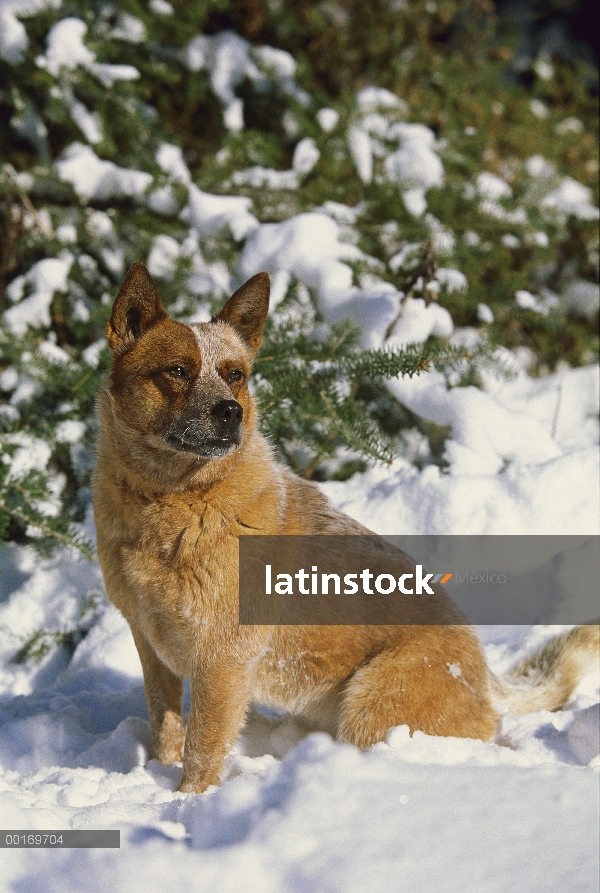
x=197, y=782
x=193, y=787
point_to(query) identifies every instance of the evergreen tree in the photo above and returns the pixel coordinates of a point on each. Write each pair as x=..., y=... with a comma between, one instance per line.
x=173, y=133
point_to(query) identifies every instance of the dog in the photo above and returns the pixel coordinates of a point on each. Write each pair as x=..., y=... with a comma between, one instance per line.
x=182, y=472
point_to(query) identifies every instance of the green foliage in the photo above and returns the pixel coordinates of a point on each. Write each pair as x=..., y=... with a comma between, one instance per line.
x=44, y=465
x=43, y=642
x=341, y=391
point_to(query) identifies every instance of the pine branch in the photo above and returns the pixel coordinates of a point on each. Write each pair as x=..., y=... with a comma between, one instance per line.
x=77, y=543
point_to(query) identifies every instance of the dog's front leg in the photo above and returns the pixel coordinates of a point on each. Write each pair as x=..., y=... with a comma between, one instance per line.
x=220, y=693
x=163, y=699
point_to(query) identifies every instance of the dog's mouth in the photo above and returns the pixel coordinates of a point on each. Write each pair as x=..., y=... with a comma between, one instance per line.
x=208, y=435
x=190, y=441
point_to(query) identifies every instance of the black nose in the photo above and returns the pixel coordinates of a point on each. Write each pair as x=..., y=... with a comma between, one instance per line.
x=229, y=412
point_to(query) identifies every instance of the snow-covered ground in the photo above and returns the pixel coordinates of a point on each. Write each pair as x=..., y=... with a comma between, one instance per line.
x=298, y=813
x=293, y=814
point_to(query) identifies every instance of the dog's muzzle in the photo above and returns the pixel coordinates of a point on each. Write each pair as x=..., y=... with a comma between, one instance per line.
x=209, y=437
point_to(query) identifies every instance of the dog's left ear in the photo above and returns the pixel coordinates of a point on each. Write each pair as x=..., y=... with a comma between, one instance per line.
x=247, y=308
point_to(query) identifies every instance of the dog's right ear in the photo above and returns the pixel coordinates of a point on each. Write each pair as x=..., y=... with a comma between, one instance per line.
x=136, y=309
x=247, y=308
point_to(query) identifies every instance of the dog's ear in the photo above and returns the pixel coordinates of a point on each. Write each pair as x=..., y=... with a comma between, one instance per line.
x=247, y=308
x=137, y=308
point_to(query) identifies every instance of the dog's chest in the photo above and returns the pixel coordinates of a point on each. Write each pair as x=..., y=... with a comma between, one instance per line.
x=180, y=560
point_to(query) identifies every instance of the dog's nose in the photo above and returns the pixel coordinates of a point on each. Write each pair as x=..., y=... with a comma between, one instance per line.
x=229, y=412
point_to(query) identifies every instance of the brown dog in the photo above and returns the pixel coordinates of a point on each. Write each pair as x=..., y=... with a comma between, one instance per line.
x=182, y=472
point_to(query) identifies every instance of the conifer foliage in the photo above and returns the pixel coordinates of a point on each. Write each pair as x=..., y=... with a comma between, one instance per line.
x=375, y=159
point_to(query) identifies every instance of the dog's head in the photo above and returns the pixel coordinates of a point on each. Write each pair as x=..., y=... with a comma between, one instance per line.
x=184, y=388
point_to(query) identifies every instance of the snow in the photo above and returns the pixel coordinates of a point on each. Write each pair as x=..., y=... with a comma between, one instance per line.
x=70, y=431
x=91, y=177
x=170, y=159
x=414, y=165
x=13, y=36
x=539, y=108
x=293, y=813
x=359, y=144
x=571, y=197
x=230, y=59
x=161, y=7
x=99, y=225
x=163, y=201
x=485, y=313
x=371, y=99
x=66, y=50
x=538, y=168
x=162, y=258
x=492, y=187
x=41, y=282
x=516, y=455
x=9, y=378
x=452, y=280
x=415, y=161
x=91, y=354
x=208, y=214
x=328, y=119
x=526, y=300
x=544, y=69
x=52, y=352
x=522, y=421
x=305, y=156
x=258, y=177
x=443, y=238
x=414, y=201
x=581, y=298
x=67, y=233
x=88, y=122
x=584, y=734
x=569, y=125
x=108, y=74
x=304, y=159
x=277, y=63
x=418, y=321
x=510, y=241
x=32, y=454
x=308, y=246
x=65, y=47
x=538, y=238
x=129, y=28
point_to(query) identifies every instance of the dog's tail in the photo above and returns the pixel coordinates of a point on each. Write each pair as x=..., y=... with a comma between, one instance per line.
x=547, y=679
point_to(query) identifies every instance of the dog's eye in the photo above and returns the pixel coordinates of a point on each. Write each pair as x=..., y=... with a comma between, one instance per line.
x=235, y=375
x=178, y=372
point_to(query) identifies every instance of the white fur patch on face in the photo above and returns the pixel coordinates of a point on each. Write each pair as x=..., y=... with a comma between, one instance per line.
x=218, y=343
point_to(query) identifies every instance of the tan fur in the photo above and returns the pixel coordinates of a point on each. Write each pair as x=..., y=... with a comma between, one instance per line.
x=547, y=678
x=168, y=517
